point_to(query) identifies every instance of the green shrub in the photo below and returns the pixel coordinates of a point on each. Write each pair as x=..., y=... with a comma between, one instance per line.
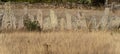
x=93, y=2
x=85, y=1
x=32, y=25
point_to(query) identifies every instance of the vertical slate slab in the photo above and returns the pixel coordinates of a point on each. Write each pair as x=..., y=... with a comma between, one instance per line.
x=74, y=23
x=46, y=24
x=40, y=18
x=82, y=21
x=20, y=18
x=78, y=21
x=19, y=23
x=94, y=23
x=54, y=20
x=68, y=21
x=104, y=20
x=9, y=20
x=62, y=24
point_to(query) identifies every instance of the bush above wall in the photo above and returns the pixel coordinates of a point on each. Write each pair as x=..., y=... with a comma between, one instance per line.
x=58, y=1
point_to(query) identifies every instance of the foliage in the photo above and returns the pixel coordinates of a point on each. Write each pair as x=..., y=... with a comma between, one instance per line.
x=32, y=25
x=85, y=1
x=90, y=2
x=50, y=1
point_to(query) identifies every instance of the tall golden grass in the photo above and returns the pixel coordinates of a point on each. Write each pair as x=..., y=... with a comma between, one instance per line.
x=60, y=43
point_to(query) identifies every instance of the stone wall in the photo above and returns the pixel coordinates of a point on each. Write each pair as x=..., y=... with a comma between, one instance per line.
x=59, y=19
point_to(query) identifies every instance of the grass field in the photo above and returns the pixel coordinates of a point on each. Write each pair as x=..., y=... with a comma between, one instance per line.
x=69, y=22
x=60, y=43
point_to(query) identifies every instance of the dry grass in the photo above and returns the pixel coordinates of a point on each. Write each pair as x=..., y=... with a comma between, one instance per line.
x=60, y=43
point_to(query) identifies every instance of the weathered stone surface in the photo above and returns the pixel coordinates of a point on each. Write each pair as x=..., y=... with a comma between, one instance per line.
x=114, y=23
x=53, y=18
x=68, y=21
x=104, y=20
x=40, y=18
x=49, y=19
x=62, y=24
x=8, y=20
x=46, y=24
x=82, y=21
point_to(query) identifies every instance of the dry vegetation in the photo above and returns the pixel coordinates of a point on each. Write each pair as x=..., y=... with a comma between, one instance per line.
x=65, y=41
x=60, y=43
